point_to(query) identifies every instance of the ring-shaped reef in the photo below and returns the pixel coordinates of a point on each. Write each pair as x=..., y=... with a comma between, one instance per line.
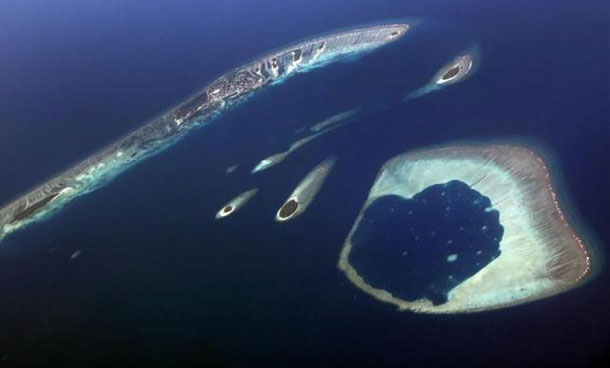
x=465, y=228
x=201, y=108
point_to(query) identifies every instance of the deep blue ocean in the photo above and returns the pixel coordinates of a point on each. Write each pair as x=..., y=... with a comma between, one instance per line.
x=159, y=283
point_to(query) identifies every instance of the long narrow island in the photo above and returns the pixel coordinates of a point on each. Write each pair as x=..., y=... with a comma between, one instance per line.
x=198, y=110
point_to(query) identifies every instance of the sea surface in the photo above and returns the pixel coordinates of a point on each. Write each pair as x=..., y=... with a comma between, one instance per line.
x=140, y=274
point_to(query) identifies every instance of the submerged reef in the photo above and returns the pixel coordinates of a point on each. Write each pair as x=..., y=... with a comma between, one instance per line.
x=275, y=159
x=458, y=69
x=465, y=228
x=231, y=169
x=305, y=192
x=337, y=118
x=205, y=105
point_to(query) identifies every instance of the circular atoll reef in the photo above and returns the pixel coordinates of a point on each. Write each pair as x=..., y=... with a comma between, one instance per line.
x=464, y=228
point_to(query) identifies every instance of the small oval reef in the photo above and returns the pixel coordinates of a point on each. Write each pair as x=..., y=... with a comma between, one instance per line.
x=425, y=246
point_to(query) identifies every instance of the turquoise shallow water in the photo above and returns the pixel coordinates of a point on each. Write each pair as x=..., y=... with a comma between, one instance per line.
x=159, y=282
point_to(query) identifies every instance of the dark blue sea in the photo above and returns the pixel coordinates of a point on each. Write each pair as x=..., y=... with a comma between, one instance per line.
x=140, y=274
